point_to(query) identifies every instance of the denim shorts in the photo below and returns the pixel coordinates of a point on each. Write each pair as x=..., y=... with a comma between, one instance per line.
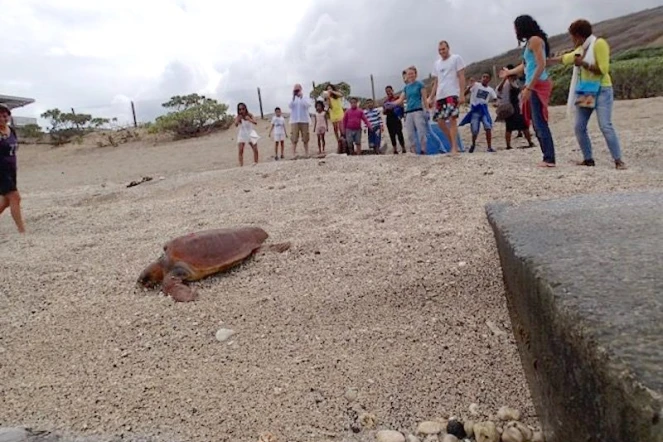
x=353, y=137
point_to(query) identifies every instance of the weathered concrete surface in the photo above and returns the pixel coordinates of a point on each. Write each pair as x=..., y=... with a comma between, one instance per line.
x=584, y=283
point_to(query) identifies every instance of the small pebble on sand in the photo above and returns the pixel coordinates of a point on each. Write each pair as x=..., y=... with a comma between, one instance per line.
x=389, y=436
x=430, y=427
x=508, y=414
x=224, y=334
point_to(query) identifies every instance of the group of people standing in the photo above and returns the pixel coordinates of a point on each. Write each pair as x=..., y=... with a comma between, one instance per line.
x=590, y=88
x=522, y=99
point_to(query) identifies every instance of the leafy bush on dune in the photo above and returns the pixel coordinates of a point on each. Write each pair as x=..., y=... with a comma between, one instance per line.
x=193, y=115
x=632, y=77
x=69, y=126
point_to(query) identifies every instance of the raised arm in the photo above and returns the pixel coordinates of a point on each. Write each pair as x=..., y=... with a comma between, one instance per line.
x=433, y=92
x=517, y=71
x=461, y=82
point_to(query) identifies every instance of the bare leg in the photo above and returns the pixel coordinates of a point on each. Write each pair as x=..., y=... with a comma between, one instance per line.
x=276, y=149
x=255, y=153
x=306, y=148
x=453, y=133
x=4, y=203
x=15, y=209
x=175, y=288
x=324, y=143
x=489, y=139
x=507, y=138
x=528, y=137
x=282, y=148
x=241, y=154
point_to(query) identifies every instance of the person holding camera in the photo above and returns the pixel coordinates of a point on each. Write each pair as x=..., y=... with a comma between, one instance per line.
x=299, y=118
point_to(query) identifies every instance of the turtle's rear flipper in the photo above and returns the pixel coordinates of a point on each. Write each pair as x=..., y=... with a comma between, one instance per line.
x=279, y=248
x=174, y=287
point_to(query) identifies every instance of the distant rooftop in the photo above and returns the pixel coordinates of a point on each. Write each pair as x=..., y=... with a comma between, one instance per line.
x=14, y=102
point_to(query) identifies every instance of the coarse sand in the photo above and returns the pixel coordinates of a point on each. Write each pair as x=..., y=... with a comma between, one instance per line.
x=392, y=275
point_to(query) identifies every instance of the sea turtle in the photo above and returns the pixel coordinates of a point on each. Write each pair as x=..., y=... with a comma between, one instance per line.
x=198, y=255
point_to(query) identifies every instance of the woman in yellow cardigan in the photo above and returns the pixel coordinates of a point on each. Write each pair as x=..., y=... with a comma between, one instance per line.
x=591, y=89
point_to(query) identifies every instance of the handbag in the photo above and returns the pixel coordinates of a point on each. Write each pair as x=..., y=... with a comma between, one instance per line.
x=504, y=111
x=587, y=92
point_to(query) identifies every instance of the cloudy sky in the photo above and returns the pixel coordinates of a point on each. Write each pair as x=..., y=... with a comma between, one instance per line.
x=96, y=56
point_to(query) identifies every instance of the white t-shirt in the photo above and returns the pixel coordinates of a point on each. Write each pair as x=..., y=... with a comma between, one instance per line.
x=446, y=72
x=299, y=110
x=279, y=125
x=480, y=94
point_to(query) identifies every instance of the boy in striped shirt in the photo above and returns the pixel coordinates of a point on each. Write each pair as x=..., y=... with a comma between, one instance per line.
x=375, y=131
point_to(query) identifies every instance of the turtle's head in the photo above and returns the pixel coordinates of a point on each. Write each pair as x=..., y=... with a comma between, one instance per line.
x=151, y=276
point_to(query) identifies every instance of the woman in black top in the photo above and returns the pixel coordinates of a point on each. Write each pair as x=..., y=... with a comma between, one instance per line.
x=9, y=196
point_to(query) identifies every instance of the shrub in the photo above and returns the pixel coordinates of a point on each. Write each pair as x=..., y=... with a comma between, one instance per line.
x=193, y=115
x=30, y=131
x=632, y=78
x=67, y=127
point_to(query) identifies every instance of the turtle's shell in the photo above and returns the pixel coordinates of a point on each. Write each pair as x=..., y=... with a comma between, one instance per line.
x=211, y=251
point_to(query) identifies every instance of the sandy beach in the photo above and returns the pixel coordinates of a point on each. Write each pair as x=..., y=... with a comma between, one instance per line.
x=392, y=275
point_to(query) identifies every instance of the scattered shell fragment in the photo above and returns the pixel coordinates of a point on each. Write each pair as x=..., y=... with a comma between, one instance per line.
x=430, y=427
x=512, y=434
x=389, y=436
x=469, y=428
x=538, y=437
x=351, y=394
x=474, y=409
x=224, y=334
x=508, y=414
x=526, y=432
x=486, y=432
x=267, y=437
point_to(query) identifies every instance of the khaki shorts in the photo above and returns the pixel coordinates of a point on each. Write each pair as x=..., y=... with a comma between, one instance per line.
x=298, y=128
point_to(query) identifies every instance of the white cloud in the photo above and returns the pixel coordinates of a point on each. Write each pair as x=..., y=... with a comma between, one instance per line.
x=97, y=55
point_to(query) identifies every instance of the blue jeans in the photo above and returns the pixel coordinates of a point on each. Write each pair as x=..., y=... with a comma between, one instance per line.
x=541, y=129
x=374, y=138
x=479, y=119
x=604, y=104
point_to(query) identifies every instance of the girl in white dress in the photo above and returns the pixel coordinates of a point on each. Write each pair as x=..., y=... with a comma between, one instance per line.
x=246, y=133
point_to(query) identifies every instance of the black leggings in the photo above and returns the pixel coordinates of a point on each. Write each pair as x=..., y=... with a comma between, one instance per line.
x=395, y=128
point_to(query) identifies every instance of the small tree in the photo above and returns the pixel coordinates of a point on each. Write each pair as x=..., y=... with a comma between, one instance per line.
x=66, y=126
x=192, y=115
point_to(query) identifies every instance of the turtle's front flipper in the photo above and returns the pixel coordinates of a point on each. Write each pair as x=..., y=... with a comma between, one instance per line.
x=279, y=248
x=174, y=286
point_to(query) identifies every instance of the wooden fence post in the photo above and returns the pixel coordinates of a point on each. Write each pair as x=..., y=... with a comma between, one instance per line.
x=133, y=112
x=262, y=115
x=372, y=87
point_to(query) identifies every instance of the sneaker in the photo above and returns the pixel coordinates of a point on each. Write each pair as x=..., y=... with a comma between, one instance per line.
x=619, y=165
x=589, y=163
x=490, y=149
x=472, y=149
